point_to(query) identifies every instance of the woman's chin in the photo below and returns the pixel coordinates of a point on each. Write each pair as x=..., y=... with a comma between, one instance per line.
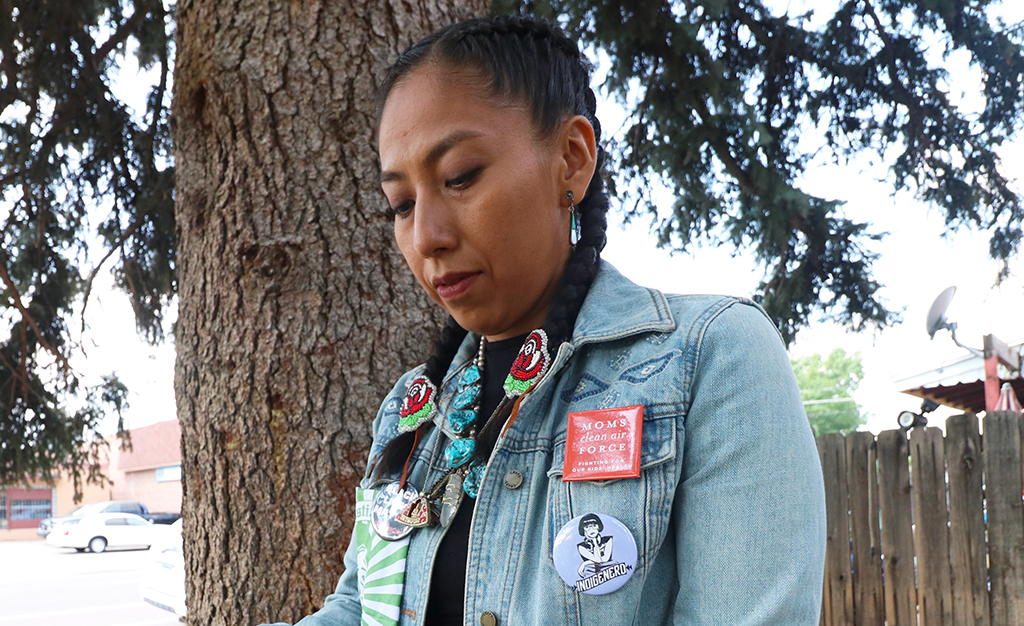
x=479, y=321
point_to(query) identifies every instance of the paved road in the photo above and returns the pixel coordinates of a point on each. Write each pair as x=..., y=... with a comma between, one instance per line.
x=41, y=585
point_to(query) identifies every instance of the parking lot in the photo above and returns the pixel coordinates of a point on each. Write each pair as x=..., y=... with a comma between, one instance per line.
x=41, y=585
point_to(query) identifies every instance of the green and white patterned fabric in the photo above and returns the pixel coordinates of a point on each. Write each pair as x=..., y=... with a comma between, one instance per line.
x=381, y=567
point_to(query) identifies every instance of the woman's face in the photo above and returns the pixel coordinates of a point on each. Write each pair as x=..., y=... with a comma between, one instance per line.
x=481, y=215
x=591, y=530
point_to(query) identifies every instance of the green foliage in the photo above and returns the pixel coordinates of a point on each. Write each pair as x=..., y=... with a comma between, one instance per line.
x=826, y=387
x=723, y=95
x=70, y=151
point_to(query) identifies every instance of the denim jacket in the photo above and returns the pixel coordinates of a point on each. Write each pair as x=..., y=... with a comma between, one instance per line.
x=728, y=512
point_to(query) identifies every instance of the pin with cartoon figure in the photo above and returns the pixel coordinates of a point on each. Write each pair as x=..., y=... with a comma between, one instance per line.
x=594, y=553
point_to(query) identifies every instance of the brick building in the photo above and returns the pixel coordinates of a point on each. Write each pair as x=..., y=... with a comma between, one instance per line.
x=149, y=473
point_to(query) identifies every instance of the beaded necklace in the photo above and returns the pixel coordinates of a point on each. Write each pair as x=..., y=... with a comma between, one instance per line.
x=464, y=472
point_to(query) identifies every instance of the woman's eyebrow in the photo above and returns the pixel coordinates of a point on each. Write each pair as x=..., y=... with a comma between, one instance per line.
x=435, y=153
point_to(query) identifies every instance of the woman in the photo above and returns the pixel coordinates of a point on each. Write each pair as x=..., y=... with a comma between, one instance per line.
x=595, y=550
x=560, y=392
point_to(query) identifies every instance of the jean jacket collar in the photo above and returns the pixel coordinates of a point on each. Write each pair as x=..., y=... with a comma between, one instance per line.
x=615, y=307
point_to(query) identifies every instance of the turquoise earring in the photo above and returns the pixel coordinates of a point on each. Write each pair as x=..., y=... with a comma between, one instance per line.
x=574, y=221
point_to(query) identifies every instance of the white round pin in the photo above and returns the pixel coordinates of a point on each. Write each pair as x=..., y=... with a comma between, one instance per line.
x=594, y=553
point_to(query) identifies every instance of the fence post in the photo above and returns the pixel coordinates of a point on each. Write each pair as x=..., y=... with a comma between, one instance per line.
x=1002, y=445
x=931, y=527
x=897, y=534
x=837, y=606
x=862, y=482
x=967, y=549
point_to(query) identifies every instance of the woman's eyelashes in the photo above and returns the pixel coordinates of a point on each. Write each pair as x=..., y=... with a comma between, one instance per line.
x=463, y=180
x=456, y=183
x=401, y=209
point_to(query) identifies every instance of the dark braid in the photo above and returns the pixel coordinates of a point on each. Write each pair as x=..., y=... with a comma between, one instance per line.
x=444, y=351
x=525, y=59
x=397, y=450
x=532, y=61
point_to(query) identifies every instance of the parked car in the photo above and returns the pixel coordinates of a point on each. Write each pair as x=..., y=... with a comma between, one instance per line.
x=107, y=506
x=163, y=582
x=99, y=531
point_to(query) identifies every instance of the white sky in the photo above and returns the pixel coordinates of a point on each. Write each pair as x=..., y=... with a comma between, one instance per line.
x=917, y=262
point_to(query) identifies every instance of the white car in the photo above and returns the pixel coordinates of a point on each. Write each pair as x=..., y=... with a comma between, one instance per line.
x=163, y=582
x=99, y=531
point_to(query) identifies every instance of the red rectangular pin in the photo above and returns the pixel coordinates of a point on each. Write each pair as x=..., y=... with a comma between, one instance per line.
x=603, y=444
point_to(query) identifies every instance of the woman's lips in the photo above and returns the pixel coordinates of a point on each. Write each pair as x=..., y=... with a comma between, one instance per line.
x=452, y=286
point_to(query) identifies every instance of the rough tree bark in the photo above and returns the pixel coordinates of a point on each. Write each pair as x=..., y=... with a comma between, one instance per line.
x=296, y=312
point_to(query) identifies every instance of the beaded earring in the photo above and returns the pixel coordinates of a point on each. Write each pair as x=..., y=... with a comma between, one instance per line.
x=574, y=220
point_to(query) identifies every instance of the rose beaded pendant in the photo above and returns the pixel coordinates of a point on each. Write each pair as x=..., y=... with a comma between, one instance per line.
x=530, y=365
x=418, y=406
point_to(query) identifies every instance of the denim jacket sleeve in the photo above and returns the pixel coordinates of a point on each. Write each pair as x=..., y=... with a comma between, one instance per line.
x=749, y=507
x=342, y=607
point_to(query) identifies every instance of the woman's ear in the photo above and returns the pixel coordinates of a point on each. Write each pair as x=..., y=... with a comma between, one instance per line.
x=579, y=153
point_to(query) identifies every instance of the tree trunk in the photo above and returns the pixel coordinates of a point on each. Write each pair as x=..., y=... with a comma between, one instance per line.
x=296, y=310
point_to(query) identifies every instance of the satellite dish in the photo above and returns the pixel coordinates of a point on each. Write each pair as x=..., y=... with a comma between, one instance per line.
x=937, y=314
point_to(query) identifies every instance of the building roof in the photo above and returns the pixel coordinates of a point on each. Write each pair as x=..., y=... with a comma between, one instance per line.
x=156, y=445
x=968, y=397
x=960, y=383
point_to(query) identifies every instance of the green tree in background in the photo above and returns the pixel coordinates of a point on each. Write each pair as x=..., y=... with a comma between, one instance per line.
x=84, y=179
x=826, y=387
x=728, y=102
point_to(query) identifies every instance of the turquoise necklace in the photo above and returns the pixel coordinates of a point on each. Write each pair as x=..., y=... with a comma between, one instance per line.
x=464, y=472
x=466, y=407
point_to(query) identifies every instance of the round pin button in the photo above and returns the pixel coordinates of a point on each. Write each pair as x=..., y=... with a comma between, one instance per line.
x=513, y=479
x=389, y=502
x=594, y=553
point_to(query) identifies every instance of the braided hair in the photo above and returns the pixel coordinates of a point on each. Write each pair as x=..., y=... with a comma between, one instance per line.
x=531, y=61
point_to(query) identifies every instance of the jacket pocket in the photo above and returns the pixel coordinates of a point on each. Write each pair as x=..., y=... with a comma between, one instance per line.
x=643, y=504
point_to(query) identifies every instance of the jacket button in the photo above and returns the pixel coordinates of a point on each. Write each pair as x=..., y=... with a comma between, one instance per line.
x=513, y=479
x=488, y=619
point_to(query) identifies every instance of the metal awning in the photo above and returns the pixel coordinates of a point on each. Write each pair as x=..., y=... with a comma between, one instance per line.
x=960, y=383
x=967, y=397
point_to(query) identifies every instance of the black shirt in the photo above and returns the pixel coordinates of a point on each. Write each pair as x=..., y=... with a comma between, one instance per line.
x=448, y=584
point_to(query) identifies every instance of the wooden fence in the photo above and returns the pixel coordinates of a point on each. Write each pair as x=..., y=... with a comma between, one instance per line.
x=925, y=530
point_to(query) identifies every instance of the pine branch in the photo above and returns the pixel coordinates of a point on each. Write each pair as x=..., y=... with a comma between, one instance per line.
x=114, y=248
x=902, y=95
x=755, y=26
x=17, y=374
x=724, y=152
x=26, y=316
x=123, y=31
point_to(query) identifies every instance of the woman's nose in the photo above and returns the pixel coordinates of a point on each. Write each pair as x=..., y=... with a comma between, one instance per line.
x=434, y=229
